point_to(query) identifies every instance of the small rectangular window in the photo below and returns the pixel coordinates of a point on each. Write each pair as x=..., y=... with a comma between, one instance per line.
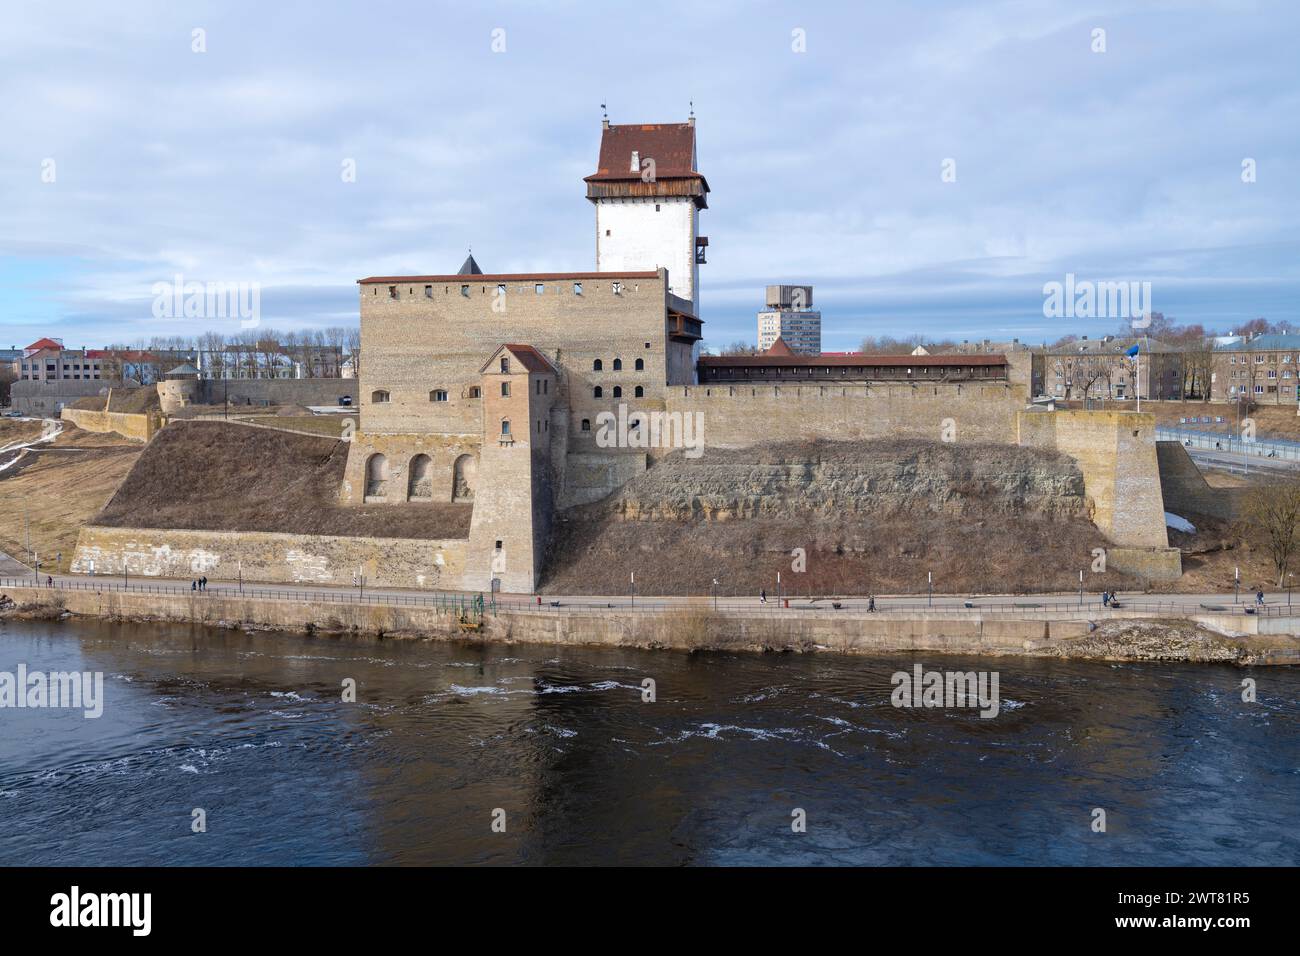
x=464, y=290
x=539, y=288
x=505, y=389
x=392, y=292
x=577, y=288
x=428, y=292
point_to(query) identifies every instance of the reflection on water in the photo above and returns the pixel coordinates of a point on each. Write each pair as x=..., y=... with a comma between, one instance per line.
x=252, y=729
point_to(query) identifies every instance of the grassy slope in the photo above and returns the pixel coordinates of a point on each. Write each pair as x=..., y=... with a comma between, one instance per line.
x=225, y=477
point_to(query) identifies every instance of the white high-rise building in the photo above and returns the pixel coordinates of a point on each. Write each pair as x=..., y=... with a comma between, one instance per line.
x=790, y=317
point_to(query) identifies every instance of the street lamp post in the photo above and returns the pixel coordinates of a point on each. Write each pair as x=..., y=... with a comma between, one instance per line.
x=715, y=595
x=633, y=589
x=929, y=588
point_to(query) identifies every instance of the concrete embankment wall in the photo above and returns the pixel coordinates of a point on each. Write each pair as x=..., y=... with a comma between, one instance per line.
x=684, y=628
x=263, y=556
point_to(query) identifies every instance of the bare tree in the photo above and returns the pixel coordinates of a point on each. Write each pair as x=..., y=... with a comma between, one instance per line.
x=1273, y=512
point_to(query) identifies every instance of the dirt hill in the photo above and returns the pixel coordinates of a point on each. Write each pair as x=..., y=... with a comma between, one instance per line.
x=213, y=476
x=870, y=517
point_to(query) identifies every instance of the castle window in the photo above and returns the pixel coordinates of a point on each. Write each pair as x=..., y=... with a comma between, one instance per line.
x=640, y=392
x=597, y=365
x=475, y=391
x=546, y=386
x=607, y=232
x=392, y=292
x=379, y=396
x=656, y=207
x=505, y=365
x=428, y=292
x=618, y=391
x=597, y=392
x=438, y=395
x=586, y=424
x=501, y=288
x=618, y=365
x=505, y=389
x=505, y=427
x=464, y=290
x=617, y=288
x=577, y=288
x=539, y=288
x=640, y=365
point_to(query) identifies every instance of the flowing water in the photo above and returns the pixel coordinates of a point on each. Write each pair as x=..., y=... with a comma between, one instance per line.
x=252, y=730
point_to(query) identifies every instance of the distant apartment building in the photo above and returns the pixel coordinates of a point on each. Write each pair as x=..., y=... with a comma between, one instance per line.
x=1101, y=369
x=46, y=360
x=1263, y=368
x=789, y=316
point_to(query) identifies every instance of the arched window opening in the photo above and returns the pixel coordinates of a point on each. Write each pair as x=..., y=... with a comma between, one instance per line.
x=376, y=476
x=464, y=471
x=379, y=396
x=420, y=485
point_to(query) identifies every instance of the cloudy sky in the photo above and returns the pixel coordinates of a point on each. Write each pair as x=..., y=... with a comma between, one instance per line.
x=825, y=164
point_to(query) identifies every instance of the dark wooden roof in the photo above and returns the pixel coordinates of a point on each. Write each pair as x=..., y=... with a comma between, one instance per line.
x=670, y=145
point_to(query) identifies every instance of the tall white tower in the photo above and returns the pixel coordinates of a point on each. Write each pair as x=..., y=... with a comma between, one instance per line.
x=648, y=195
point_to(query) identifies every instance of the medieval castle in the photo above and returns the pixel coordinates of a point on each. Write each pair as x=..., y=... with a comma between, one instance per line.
x=498, y=389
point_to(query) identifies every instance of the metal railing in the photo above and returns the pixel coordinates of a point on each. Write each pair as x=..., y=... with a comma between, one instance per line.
x=1277, y=449
x=464, y=602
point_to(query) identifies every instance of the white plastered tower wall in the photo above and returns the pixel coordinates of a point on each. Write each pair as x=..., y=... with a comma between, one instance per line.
x=634, y=235
x=648, y=193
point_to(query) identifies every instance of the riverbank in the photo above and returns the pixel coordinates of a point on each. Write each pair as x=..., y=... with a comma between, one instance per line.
x=1088, y=634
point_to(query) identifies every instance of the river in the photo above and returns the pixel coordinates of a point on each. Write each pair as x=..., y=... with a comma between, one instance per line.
x=558, y=744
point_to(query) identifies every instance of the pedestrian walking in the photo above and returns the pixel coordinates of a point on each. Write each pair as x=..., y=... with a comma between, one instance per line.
x=194, y=585
x=49, y=581
x=871, y=604
x=1259, y=598
x=762, y=596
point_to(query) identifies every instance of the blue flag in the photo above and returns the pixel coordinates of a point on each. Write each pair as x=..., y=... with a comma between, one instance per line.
x=1133, y=351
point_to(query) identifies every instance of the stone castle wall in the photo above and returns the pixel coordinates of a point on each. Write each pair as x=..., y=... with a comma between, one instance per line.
x=420, y=342
x=738, y=415
x=136, y=427
x=302, y=559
